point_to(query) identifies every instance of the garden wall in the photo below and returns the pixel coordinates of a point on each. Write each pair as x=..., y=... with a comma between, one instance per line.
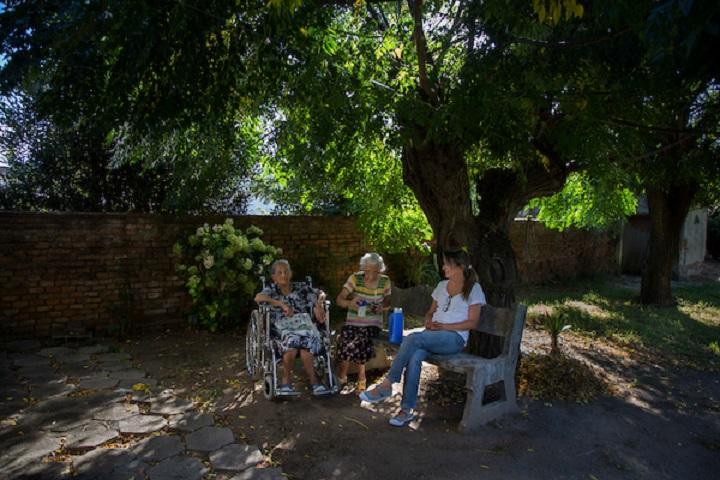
x=72, y=273
x=91, y=272
x=545, y=255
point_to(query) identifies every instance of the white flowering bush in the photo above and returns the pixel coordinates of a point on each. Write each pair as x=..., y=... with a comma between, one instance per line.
x=220, y=266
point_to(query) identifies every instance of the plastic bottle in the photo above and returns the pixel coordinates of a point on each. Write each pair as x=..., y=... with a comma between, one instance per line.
x=362, y=308
x=397, y=323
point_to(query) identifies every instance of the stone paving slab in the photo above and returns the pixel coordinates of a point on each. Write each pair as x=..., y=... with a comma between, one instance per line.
x=209, y=439
x=98, y=381
x=129, y=384
x=91, y=435
x=139, y=396
x=115, y=366
x=38, y=371
x=129, y=374
x=29, y=360
x=73, y=358
x=157, y=449
x=40, y=469
x=109, y=463
x=112, y=357
x=55, y=351
x=13, y=392
x=142, y=424
x=11, y=407
x=23, y=451
x=76, y=371
x=178, y=468
x=190, y=421
x=260, y=474
x=170, y=406
x=94, y=349
x=94, y=416
x=116, y=412
x=22, y=345
x=236, y=457
x=51, y=390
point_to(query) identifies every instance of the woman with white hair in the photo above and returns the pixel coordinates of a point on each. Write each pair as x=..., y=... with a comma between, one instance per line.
x=366, y=295
x=294, y=311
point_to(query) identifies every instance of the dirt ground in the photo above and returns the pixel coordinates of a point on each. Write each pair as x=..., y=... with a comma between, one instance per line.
x=659, y=423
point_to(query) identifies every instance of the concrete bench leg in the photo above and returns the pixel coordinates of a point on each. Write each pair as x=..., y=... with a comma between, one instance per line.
x=473, y=415
x=476, y=414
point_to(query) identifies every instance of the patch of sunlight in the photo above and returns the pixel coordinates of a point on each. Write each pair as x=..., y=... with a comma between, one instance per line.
x=589, y=309
x=594, y=297
x=701, y=312
x=714, y=347
x=629, y=338
x=540, y=309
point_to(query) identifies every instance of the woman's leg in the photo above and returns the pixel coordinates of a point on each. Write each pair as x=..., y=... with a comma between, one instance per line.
x=288, y=360
x=361, y=371
x=308, y=363
x=407, y=349
x=427, y=342
x=342, y=371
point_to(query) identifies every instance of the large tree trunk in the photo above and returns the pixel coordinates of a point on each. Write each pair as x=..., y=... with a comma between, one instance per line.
x=668, y=209
x=438, y=177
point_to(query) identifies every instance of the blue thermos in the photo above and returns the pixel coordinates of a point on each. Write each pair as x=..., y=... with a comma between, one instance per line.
x=396, y=325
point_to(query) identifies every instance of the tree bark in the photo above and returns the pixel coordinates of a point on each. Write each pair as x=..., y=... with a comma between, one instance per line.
x=438, y=177
x=667, y=209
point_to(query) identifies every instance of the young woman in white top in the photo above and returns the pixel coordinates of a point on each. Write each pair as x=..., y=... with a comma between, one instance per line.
x=454, y=311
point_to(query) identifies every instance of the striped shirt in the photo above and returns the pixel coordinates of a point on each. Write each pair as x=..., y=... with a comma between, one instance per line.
x=374, y=296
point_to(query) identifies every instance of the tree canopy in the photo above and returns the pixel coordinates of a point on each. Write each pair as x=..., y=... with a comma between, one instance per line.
x=447, y=115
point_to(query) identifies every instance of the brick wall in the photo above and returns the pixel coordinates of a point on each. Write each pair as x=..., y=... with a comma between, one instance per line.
x=544, y=254
x=64, y=272
x=86, y=272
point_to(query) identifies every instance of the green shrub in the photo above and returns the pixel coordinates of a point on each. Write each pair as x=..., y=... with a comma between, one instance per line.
x=220, y=266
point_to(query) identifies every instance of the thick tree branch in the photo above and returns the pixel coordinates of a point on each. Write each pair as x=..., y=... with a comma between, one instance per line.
x=421, y=50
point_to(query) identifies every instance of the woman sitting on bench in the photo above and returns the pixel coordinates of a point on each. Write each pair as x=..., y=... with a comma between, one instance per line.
x=454, y=311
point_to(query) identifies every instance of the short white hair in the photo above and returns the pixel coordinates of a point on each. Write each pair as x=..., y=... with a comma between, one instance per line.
x=372, y=257
x=280, y=261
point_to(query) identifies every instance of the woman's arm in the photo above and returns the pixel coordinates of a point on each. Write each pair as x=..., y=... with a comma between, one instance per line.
x=469, y=324
x=262, y=298
x=429, y=315
x=343, y=299
x=319, y=308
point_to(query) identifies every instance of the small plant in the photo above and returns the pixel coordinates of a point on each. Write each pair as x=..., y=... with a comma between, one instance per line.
x=555, y=325
x=220, y=265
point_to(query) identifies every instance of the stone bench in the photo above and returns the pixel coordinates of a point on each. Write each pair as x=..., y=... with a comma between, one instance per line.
x=481, y=372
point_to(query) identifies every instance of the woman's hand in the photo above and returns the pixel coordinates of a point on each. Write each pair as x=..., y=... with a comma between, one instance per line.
x=286, y=309
x=320, y=307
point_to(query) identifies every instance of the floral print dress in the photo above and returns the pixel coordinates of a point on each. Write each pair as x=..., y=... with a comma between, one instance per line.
x=298, y=331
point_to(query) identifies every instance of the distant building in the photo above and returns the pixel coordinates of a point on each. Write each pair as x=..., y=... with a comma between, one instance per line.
x=692, y=248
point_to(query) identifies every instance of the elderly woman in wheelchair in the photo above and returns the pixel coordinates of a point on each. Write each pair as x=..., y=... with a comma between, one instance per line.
x=292, y=313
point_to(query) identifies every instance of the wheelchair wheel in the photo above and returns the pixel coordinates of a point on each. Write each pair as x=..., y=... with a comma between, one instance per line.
x=252, y=346
x=269, y=387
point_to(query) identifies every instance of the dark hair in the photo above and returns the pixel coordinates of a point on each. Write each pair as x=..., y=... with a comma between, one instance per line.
x=461, y=258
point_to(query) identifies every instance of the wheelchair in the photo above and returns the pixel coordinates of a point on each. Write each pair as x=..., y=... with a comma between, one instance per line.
x=262, y=352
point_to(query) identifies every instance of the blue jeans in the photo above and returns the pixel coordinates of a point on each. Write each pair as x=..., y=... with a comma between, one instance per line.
x=414, y=349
